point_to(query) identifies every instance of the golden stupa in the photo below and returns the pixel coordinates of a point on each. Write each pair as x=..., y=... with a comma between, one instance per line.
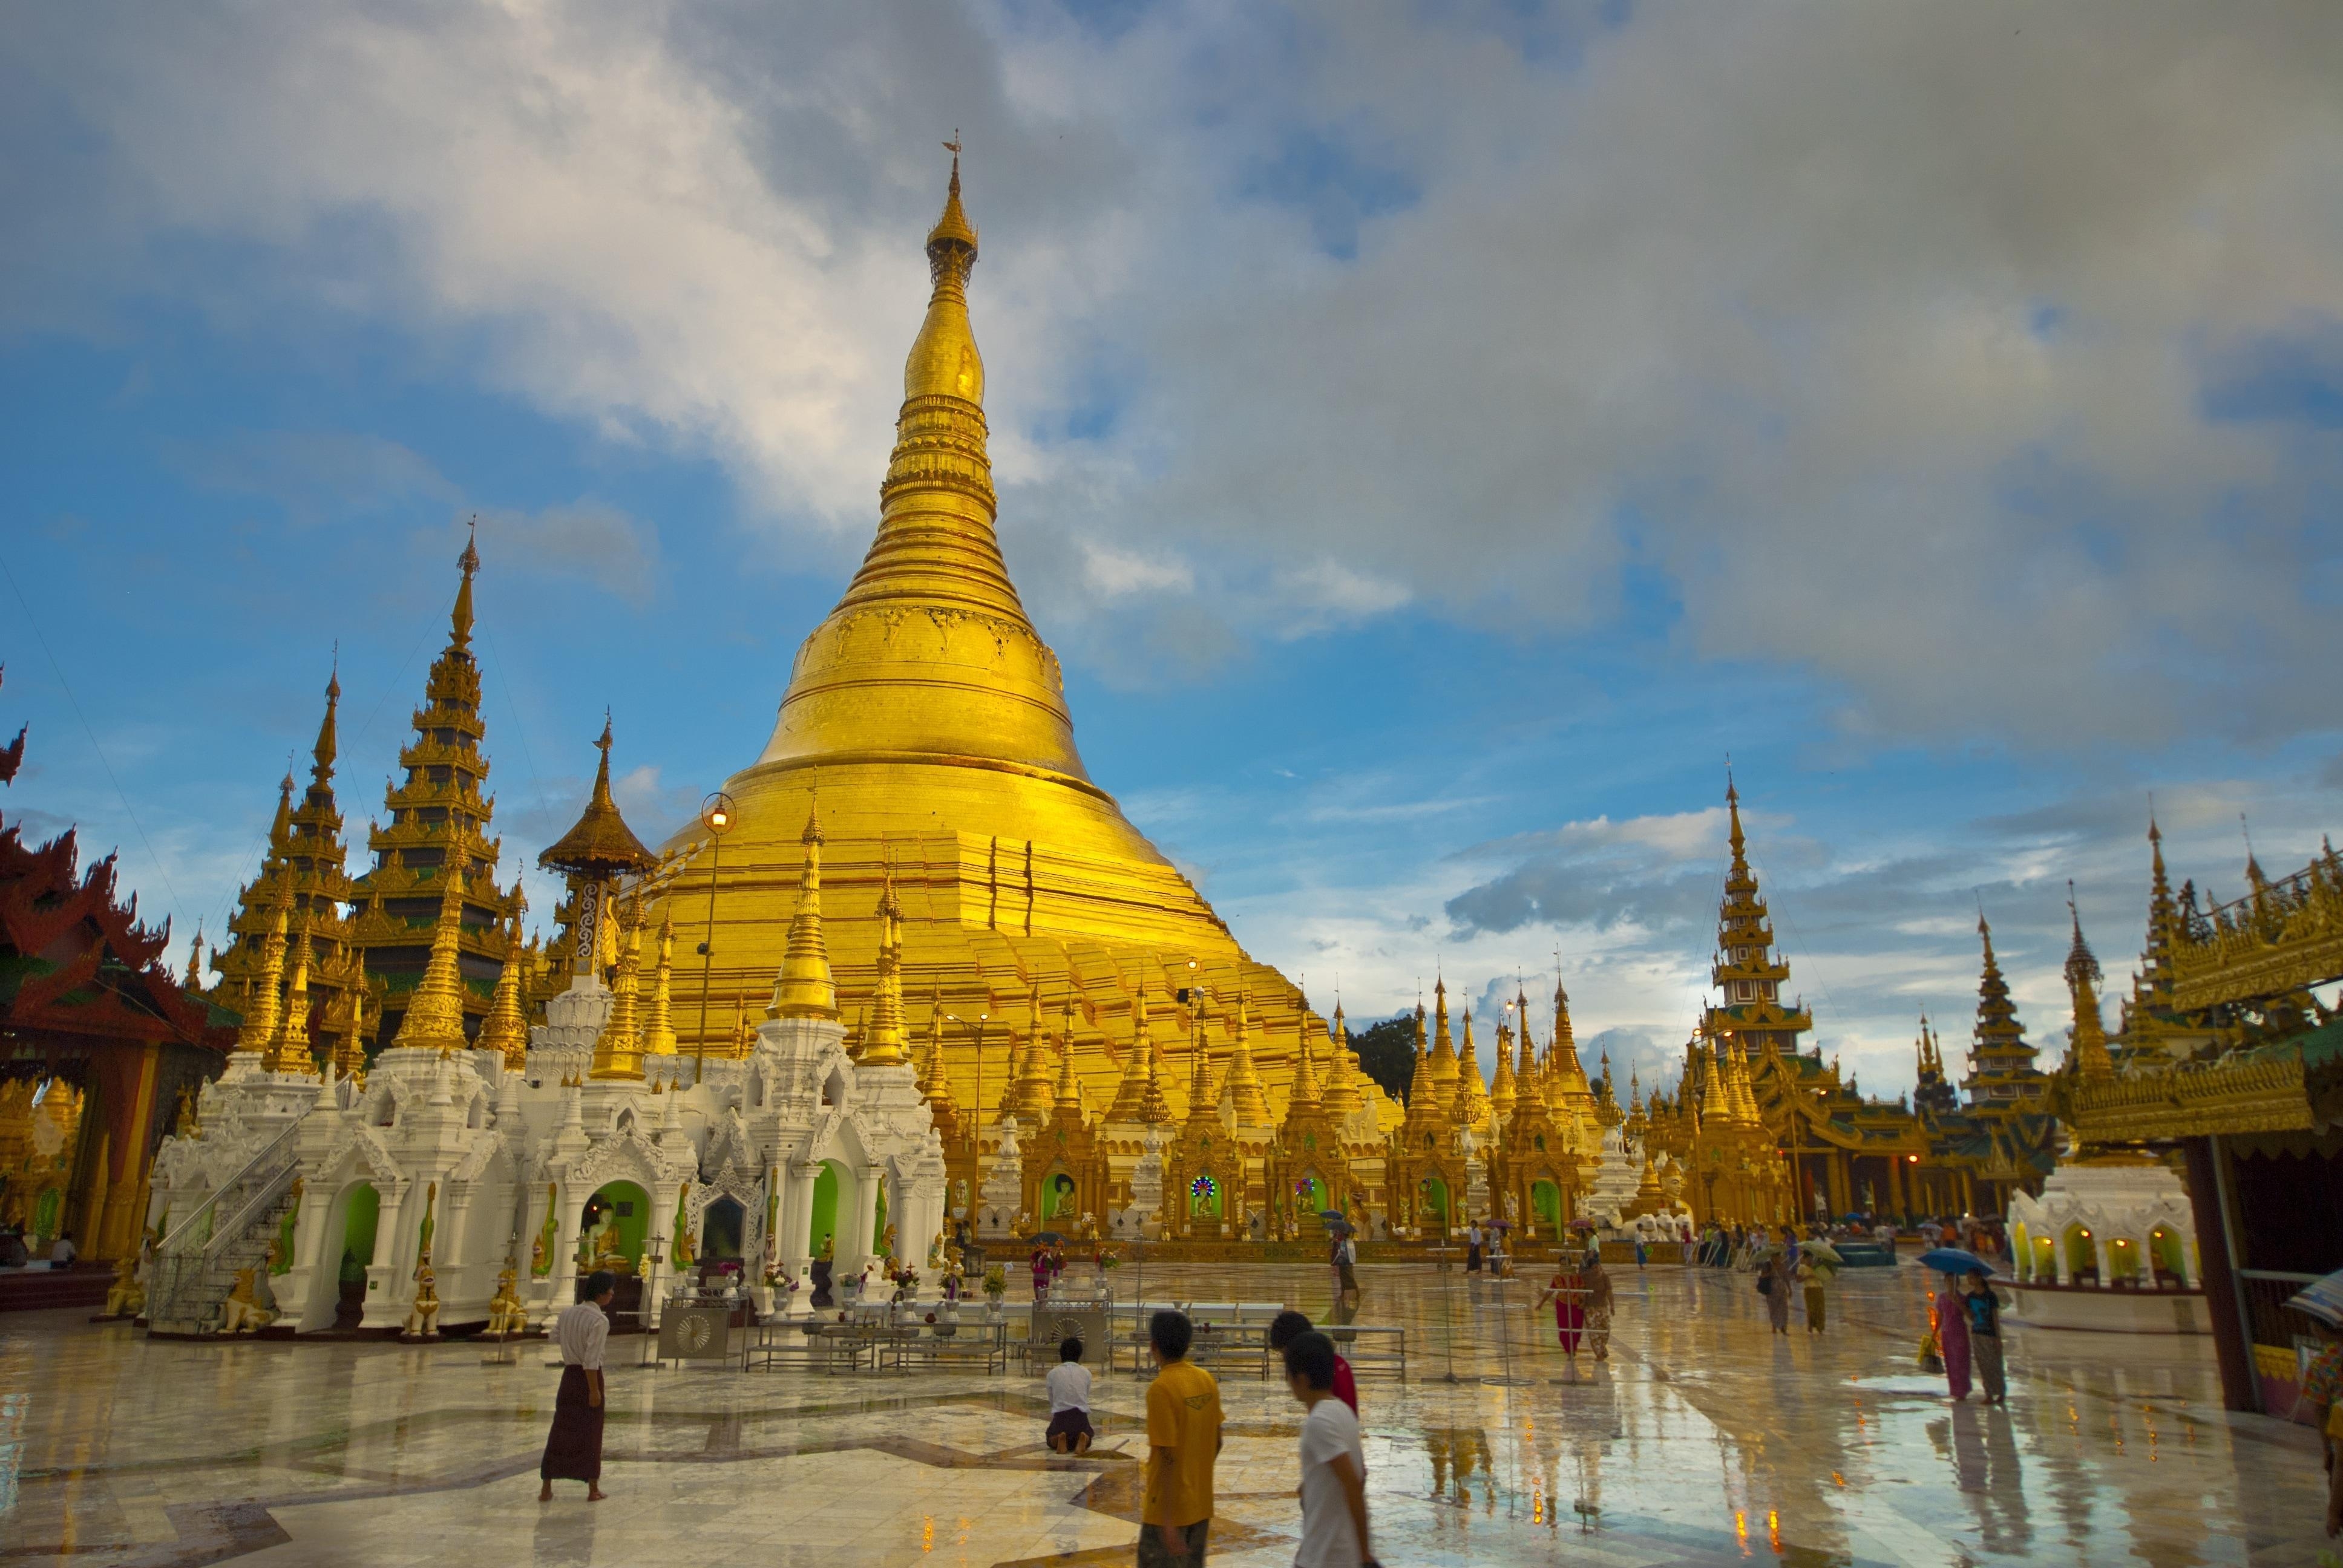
x=925, y=725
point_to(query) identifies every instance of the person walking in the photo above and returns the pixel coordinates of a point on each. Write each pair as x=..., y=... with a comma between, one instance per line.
x=1567, y=1292
x=1184, y=1440
x=1472, y=1234
x=573, y=1449
x=1333, y=1465
x=1346, y=1266
x=1952, y=1322
x=1598, y=1305
x=1813, y=1276
x=1040, y=1263
x=1287, y=1327
x=1983, y=1305
x=1774, y=1284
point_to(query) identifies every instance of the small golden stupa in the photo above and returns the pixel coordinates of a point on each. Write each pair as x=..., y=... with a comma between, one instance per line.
x=925, y=722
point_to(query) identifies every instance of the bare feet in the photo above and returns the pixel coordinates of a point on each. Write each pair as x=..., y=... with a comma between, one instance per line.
x=544, y=1493
x=593, y=1493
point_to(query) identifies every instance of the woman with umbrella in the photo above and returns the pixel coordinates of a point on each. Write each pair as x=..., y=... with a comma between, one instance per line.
x=1950, y=1313
x=1818, y=1263
x=1567, y=1292
x=2322, y=1385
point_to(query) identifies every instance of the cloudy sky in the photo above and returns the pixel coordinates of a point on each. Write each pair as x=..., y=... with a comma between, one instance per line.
x=1436, y=436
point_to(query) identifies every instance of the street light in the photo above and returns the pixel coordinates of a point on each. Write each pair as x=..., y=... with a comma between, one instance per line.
x=717, y=814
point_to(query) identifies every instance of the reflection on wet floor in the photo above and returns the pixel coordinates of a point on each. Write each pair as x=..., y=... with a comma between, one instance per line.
x=1704, y=1439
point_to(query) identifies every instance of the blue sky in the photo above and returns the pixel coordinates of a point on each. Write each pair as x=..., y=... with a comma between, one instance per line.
x=1434, y=439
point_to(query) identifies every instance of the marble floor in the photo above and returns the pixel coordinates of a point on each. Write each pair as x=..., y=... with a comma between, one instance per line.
x=1704, y=1441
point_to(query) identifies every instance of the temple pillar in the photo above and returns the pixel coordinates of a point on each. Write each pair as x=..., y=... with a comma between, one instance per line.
x=866, y=1216
x=2208, y=1194
x=1841, y=1200
x=1896, y=1206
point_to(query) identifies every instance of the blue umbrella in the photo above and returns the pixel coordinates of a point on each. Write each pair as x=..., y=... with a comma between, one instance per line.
x=1954, y=1260
x=1332, y=1214
x=2322, y=1300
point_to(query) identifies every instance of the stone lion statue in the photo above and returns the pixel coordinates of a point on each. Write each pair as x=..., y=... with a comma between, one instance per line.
x=505, y=1314
x=423, y=1317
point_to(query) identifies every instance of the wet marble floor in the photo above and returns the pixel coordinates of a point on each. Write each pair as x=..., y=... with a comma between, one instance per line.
x=1704, y=1441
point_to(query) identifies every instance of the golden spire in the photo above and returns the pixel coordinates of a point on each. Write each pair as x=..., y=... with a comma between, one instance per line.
x=350, y=1057
x=1421, y=1092
x=1070, y=1091
x=260, y=1026
x=1251, y=1106
x=1131, y=1092
x=459, y=619
x=1305, y=1094
x=1033, y=1096
x=600, y=845
x=504, y=1031
x=883, y=1045
x=805, y=989
x=1565, y=1075
x=659, y=1030
x=288, y=1048
x=2090, y=1057
x=194, y=981
x=1472, y=1101
x=1529, y=1081
x=986, y=691
x=1158, y=1109
x=1501, y=1093
x=1443, y=1044
x=1342, y=1095
x=434, y=1010
x=322, y=754
x=280, y=829
x=935, y=1084
x=619, y=1054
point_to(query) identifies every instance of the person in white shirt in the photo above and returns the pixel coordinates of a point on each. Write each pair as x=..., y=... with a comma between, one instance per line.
x=573, y=1449
x=1069, y=1400
x=1333, y=1465
x=63, y=1254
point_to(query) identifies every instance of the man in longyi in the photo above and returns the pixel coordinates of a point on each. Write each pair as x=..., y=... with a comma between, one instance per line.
x=573, y=1449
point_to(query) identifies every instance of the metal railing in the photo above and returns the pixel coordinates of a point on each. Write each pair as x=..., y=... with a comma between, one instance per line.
x=2266, y=1292
x=184, y=1257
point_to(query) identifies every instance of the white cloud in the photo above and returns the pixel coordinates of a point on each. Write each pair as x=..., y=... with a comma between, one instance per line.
x=1119, y=574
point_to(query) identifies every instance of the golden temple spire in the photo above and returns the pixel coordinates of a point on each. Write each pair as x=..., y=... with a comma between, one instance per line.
x=935, y=1084
x=1158, y=1107
x=435, y=1010
x=1246, y=1099
x=659, y=1030
x=740, y=1041
x=1472, y=1101
x=2089, y=1056
x=280, y=829
x=195, y=978
x=1420, y=1091
x=1131, y=1090
x=350, y=1057
x=1032, y=1088
x=459, y=619
x=883, y=1046
x=1501, y=1093
x=1342, y=1095
x=1305, y=1093
x=618, y=1052
x=1443, y=1044
x=321, y=766
x=504, y=1031
x=1565, y=1075
x=259, y=1026
x=1069, y=1095
x=805, y=989
x=288, y=1049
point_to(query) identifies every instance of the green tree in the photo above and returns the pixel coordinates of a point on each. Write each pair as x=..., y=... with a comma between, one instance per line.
x=1387, y=1051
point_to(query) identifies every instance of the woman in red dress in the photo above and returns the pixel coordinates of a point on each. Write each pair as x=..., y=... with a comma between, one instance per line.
x=1567, y=1292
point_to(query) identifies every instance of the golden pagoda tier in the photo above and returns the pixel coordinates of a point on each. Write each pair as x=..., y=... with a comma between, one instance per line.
x=926, y=721
x=305, y=863
x=440, y=816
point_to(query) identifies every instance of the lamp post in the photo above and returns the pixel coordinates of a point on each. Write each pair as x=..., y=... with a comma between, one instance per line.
x=651, y=1295
x=717, y=814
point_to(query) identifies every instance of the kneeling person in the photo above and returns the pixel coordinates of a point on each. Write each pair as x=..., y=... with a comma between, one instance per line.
x=1069, y=1400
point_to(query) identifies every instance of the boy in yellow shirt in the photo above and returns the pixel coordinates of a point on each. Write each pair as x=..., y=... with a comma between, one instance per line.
x=1183, y=1439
